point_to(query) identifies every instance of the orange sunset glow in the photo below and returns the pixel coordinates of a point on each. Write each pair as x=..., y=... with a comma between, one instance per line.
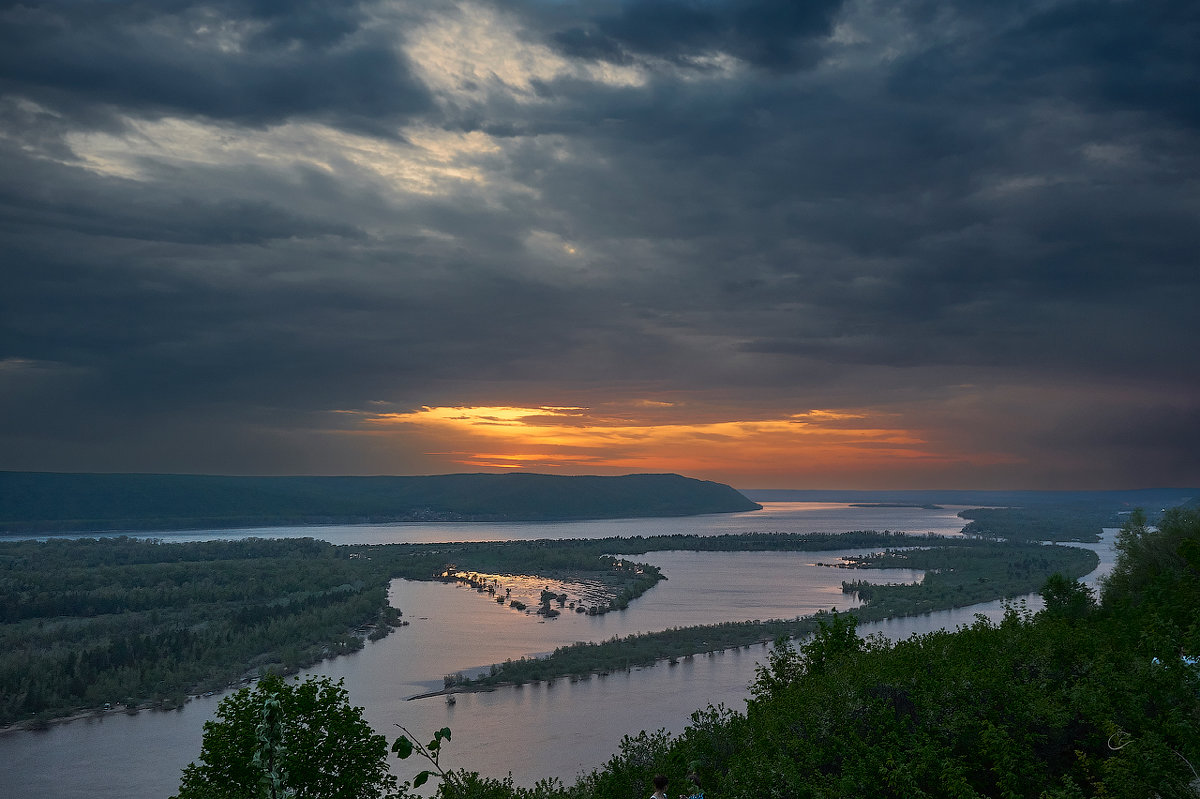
x=639, y=437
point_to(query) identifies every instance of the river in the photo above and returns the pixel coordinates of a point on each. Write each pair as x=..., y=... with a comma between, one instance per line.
x=532, y=732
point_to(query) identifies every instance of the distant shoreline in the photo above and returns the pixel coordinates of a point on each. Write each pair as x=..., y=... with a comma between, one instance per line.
x=186, y=525
x=929, y=506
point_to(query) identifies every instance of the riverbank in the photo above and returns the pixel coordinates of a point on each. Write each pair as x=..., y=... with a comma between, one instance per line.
x=84, y=714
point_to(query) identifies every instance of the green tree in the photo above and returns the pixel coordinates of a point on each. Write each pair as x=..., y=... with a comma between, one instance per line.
x=831, y=640
x=835, y=637
x=1066, y=598
x=1153, y=560
x=289, y=739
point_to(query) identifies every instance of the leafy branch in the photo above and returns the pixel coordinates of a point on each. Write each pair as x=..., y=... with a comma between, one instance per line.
x=407, y=744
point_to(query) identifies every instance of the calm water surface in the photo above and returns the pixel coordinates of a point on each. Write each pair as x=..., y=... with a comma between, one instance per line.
x=790, y=517
x=532, y=732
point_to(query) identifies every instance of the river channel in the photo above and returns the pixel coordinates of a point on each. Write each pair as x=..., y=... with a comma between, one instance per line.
x=535, y=731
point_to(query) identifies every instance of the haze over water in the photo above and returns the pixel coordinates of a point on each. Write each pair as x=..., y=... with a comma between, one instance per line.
x=533, y=732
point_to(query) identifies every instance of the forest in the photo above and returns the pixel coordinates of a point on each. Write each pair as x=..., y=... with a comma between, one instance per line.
x=1056, y=523
x=135, y=623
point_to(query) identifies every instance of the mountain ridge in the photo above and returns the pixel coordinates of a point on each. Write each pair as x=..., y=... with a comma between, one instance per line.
x=68, y=502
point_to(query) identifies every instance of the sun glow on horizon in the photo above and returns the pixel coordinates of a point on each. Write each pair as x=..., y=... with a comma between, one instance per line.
x=656, y=436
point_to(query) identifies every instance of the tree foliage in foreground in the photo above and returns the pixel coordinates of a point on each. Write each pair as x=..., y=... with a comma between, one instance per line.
x=289, y=738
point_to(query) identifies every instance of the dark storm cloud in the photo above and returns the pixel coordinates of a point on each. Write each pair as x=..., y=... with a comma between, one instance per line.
x=181, y=328
x=773, y=34
x=784, y=206
x=965, y=218
x=180, y=220
x=1110, y=55
x=133, y=302
x=253, y=62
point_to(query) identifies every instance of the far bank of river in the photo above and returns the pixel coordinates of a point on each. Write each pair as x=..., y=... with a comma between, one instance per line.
x=787, y=517
x=533, y=732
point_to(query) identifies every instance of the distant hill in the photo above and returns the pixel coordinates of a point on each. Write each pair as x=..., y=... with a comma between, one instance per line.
x=44, y=502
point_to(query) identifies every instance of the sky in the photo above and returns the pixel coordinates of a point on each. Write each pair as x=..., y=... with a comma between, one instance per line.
x=831, y=244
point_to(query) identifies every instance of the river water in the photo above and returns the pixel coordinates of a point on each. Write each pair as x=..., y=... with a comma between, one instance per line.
x=536, y=731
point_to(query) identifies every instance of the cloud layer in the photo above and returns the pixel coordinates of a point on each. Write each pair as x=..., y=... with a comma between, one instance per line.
x=238, y=236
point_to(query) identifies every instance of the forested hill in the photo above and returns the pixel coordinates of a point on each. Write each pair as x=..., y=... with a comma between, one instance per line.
x=43, y=502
